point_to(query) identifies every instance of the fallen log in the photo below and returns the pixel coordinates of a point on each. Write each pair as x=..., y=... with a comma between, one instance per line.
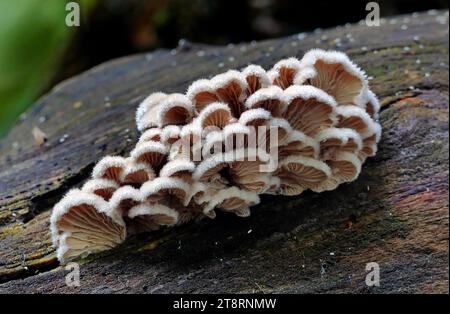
x=394, y=214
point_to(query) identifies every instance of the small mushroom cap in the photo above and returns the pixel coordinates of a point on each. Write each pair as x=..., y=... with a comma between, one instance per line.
x=369, y=149
x=174, y=109
x=345, y=166
x=333, y=72
x=256, y=78
x=284, y=72
x=209, y=190
x=298, y=143
x=329, y=184
x=171, y=134
x=234, y=135
x=257, y=183
x=235, y=128
x=198, y=189
x=230, y=87
x=255, y=117
x=201, y=93
x=191, y=132
x=149, y=217
x=369, y=144
x=82, y=223
x=377, y=131
x=176, y=167
x=101, y=187
x=154, y=135
x=246, y=171
x=214, y=115
x=223, y=80
x=136, y=173
x=152, y=153
x=289, y=184
x=109, y=167
x=148, y=105
x=210, y=167
x=232, y=199
x=283, y=128
x=162, y=186
x=369, y=102
x=334, y=140
x=124, y=198
x=339, y=135
x=309, y=109
x=298, y=173
x=355, y=118
x=246, y=160
x=270, y=98
x=213, y=144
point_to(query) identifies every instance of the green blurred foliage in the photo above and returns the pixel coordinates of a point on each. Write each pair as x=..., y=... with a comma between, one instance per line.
x=33, y=35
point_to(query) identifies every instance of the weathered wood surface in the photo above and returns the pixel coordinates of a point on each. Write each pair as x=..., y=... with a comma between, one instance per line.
x=395, y=214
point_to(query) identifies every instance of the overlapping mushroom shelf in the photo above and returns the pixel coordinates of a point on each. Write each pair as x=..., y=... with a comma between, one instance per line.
x=305, y=124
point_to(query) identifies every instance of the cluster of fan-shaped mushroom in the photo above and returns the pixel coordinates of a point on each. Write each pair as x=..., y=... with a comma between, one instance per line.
x=305, y=124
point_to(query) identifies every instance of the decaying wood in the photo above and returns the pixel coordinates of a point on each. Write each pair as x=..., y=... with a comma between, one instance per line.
x=395, y=214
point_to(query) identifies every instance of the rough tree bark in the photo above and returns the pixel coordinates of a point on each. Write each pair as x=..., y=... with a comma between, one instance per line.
x=395, y=214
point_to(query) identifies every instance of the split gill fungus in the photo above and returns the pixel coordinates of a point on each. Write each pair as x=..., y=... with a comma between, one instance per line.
x=212, y=148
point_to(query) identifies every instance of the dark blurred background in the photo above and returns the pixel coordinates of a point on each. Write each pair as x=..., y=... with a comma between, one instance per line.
x=38, y=50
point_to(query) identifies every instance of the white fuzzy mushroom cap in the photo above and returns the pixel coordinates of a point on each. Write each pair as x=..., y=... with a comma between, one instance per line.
x=148, y=147
x=307, y=69
x=369, y=102
x=214, y=140
x=207, y=165
x=306, y=92
x=377, y=131
x=197, y=188
x=177, y=165
x=154, y=134
x=235, y=128
x=342, y=134
x=259, y=72
x=71, y=200
x=254, y=114
x=170, y=132
x=349, y=158
x=199, y=86
x=193, y=130
x=248, y=198
x=108, y=162
x=174, y=101
x=290, y=63
x=350, y=111
x=308, y=162
x=163, y=183
x=125, y=193
x=148, y=103
x=223, y=79
x=265, y=94
x=219, y=109
x=133, y=166
x=153, y=209
x=96, y=184
x=280, y=123
x=297, y=136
